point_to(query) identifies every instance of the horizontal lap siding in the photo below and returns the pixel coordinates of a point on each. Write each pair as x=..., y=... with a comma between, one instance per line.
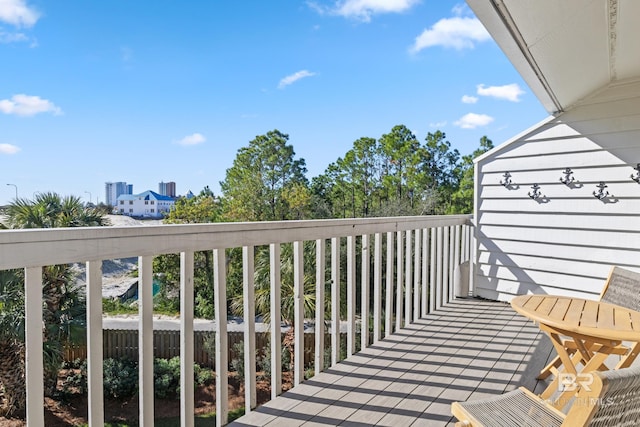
x=566, y=242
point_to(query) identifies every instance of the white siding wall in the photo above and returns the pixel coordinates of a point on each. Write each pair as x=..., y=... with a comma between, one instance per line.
x=566, y=242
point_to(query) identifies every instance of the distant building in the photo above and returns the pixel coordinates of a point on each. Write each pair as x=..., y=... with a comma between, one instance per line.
x=113, y=190
x=167, y=188
x=148, y=204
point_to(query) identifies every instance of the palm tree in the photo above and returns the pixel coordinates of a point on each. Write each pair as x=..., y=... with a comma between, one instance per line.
x=63, y=303
x=263, y=288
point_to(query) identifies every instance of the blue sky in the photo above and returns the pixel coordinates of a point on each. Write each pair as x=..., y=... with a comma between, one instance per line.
x=120, y=90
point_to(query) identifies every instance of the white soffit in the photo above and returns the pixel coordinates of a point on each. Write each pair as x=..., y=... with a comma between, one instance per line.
x=565, y=49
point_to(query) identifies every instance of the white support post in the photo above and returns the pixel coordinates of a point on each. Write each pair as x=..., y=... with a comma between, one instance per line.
x=388, y=291
x=222, y=339
x=187, y=400
x=408, y=280
x=399, y=279
x=351, y=295
x=424, y=306
x=276, y=319
x=298, y=309
x=145, y=340
x=377, y=288
x=364, y=310
x=319, y=324
x=335, y=300
x=249, y=310
x=474, y=253
x=417, y=270
x=439, y=269
x=34, y=371
x=94, y=344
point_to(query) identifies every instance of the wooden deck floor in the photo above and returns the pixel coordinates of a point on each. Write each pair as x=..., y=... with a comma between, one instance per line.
x=469, y=349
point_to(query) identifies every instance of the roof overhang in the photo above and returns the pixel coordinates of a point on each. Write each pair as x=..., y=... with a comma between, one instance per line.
x=565, y=50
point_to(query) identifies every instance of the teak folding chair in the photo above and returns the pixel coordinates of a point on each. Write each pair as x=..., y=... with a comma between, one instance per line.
x=612, y=399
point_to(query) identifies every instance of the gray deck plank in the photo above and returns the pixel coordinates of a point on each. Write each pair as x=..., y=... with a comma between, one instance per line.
x=468, y=349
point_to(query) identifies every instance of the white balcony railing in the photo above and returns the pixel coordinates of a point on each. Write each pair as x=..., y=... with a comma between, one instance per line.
x=417, y=278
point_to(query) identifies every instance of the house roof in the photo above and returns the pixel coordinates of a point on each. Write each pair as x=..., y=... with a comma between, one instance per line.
x=146, y=195
x=565, y=50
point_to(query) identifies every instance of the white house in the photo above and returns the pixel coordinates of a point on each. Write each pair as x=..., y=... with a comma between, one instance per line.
x=148, y=204
x=557, y=205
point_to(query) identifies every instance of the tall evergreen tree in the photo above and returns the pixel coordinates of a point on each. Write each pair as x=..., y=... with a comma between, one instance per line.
x=262, y=172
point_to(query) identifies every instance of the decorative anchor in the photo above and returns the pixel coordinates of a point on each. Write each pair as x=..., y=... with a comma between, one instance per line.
x=536, y=194
x=636, y=178
x=567, y=179
x=601, y=194
x=507, y=180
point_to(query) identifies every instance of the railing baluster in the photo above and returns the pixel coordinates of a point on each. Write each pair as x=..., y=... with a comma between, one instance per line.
x=276, y=319
x=408, y=280
x=439, y=269
x=145, y=339
x=335, y=300
x=425, y=272
x=364, y=310
x=319, y=324
x=94, y=344
x=34, y=369
x=377, y=288
x=432, y=271
x=351, y=295
x=388, y=291
x=186, y=340
x=298, y=303
x=399, y=279
x=446, y=265
x=249, y=310
x=452, y=261
x=416, y=276
x=456, y=251
x=222, y=340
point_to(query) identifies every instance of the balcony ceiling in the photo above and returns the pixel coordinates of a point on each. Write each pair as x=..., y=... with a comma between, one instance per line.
x=566, y=50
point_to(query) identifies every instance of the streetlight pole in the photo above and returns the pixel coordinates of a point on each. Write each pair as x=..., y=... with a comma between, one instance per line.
x=16, y=189
x=89, y=193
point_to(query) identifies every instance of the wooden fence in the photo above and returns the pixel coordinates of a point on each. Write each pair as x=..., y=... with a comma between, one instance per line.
x=118, y=343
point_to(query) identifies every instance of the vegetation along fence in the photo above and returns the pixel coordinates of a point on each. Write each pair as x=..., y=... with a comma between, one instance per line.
x=120, y=343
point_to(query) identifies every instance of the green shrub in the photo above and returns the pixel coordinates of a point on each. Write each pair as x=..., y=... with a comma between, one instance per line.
x=120, y=377
x=166, y=375
x=203, y=376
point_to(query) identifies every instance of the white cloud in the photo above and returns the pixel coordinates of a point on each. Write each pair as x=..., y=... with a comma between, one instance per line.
x=194, y=139
x=510, y=92
x=363, y=10
x=461, y=9
x=8, y=149
x=437, y=124
x=286, y=81
x=457, y=33
x=466, y=99
x=6, y=38
x=25, y=105
x=473, y=120
x=18, y=13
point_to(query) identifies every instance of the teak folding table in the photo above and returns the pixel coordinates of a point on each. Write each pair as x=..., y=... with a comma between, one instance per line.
x=597, y=328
